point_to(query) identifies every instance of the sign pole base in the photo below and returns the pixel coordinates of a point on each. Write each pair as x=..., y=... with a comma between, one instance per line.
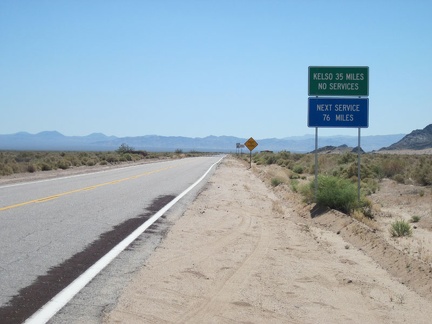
x=359, y=166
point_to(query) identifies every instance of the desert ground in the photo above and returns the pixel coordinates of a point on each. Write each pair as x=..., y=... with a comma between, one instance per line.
x=245, y=252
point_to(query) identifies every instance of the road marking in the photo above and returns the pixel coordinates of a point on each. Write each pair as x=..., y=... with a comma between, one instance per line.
x=49, y=198
x=46, y=312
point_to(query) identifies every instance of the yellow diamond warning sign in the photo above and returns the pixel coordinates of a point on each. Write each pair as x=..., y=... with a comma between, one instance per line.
x=251, y=144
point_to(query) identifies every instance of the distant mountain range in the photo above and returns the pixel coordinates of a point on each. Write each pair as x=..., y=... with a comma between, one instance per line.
x=55, y=141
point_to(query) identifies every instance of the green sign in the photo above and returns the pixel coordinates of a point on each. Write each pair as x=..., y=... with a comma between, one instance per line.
x=338, y=81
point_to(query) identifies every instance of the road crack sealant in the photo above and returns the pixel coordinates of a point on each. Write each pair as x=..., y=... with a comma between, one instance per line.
x=33, y=297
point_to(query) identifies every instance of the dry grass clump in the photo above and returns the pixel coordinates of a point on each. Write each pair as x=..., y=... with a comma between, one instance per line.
x=400, y=228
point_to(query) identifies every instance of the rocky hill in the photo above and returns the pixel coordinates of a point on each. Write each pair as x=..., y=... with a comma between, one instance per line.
x=418, y=139
x=329, y=149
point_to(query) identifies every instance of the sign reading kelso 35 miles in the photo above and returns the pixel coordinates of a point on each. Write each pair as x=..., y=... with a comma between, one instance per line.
x=338, y=81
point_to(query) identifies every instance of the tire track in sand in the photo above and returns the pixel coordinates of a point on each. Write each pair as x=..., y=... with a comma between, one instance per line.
x=218, y=297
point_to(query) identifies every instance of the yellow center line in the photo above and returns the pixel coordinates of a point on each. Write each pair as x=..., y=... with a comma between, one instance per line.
x=45, y=199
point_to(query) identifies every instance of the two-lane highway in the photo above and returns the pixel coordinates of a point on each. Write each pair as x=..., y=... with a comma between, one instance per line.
x=44, y=224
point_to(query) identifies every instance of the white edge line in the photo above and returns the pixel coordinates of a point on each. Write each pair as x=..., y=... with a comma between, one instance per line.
x=46, y=312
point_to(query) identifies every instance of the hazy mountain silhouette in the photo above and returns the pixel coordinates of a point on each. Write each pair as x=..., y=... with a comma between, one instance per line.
x=55, y=141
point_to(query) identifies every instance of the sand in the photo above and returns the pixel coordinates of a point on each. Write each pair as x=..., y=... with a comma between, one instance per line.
x=245, y=252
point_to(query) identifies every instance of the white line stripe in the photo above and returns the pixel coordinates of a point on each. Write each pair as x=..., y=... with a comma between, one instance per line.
x=46, y=312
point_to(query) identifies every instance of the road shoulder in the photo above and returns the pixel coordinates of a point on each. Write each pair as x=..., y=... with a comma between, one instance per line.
x=240, y=253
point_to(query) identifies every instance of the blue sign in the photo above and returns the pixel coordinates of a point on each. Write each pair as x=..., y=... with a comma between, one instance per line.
x=338, y=112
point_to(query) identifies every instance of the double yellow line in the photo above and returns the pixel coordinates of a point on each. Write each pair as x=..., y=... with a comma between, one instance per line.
x=45, y=199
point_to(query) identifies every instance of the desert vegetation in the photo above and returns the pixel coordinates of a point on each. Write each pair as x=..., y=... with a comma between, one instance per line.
x=12, y=162
x=408, y=169
x=400, y=228
x=393, y=214
x=338, y=176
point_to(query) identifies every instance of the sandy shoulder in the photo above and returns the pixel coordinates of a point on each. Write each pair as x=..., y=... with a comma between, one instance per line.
x=241, y=254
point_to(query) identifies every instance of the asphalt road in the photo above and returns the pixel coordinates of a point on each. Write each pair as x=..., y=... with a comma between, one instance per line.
x=44, y=224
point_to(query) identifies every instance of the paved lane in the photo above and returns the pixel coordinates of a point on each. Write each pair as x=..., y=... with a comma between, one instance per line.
x=44, y=223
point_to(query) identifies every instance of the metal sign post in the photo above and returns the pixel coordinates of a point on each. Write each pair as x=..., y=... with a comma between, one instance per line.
x=316, y=162
x=250, y=144
x=358, y=166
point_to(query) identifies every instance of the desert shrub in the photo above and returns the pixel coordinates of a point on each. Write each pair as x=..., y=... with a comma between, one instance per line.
x=64, y=165
x=423, y=174
x=285, y=155
x=31, y=168
x=283, y=158
x=399, y=178
x=128, y=153
x=369, y=186
x=45, y=166
x=393, y=166
x=23, y=157
x=111, y=158
x=415, y=219
x=124, y=148
x=15, y=167
x=257, y=161
x=298, y=169
x=259, y=158
x=289, y=164
x=336, y=193
x=377, y=170
x=311, y=169
x=308, y=192
x=400, y=228
x=281, y=162
x=6, y=170
x=75, y=162
x=347, y=158
x=351, y=171
x=270, y=159
x=294, y=185
x=91, y=162
x=143, y=153
x=276, y=182
x=366, y=208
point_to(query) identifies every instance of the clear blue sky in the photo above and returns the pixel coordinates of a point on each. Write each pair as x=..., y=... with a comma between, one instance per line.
x=199, y=68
